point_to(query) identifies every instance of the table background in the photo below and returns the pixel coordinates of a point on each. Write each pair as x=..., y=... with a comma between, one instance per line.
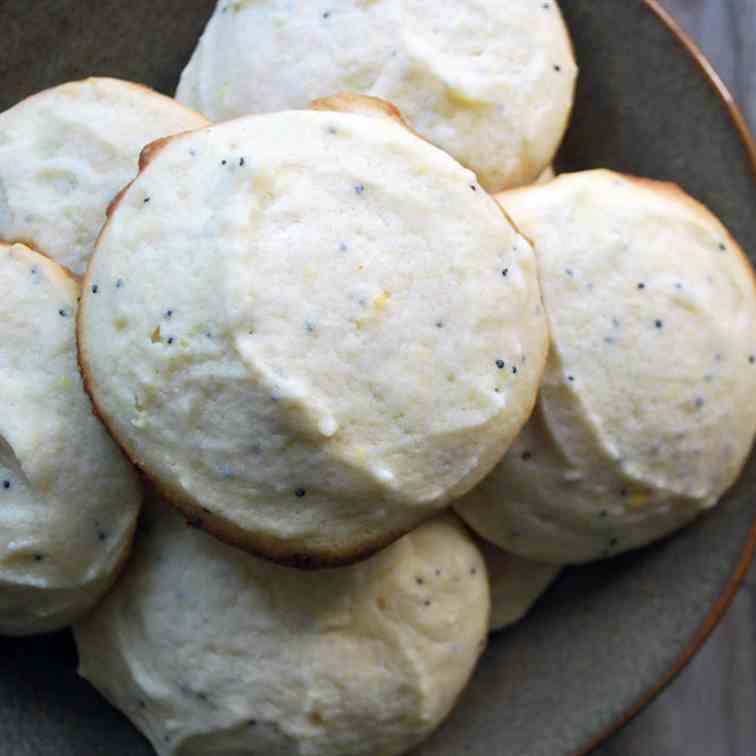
x=710, y=710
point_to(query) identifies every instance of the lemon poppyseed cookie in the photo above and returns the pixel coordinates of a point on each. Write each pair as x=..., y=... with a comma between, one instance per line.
x=490, y=82
x=516, y=584
x=68, y=498
x=209, y=650
x=646, y=413
x=65, y=153
x=311, y=329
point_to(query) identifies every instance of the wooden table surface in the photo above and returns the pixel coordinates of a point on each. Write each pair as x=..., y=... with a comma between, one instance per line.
x=710, y=709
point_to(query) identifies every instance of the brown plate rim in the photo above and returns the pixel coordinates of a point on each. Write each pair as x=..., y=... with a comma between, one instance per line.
x=720, y=607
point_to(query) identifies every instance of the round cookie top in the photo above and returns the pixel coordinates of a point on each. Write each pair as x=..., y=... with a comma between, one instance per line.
x=646, y=412
x=516, y=584
x=311, y=329
x=66, y=152
x=490, y=82
x=209, y=650
x=69, y=498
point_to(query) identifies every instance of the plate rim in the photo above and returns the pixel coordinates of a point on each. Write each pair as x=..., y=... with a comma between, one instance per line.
x=722, y=604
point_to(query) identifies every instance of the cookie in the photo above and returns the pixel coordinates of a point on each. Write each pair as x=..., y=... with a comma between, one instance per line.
x=67, y=151
x=69, y=499
x=490, y=82
x=646, y=414
x=312, y=329
x=209, y=650
x=516, y=584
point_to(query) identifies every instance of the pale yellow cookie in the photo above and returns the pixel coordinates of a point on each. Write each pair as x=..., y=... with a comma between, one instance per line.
x=311, y=329
x=68, y=498
x=211, y=651
x=490, y=82
x=67, y=151
x=647, y=413
x=516, y=584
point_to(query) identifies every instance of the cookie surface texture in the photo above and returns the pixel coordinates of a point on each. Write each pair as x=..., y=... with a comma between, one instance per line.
x=209, y=650
x=516, y=584
x=646, y=413
x=490, y=82
x=70, y=499
x=312, y=330
x=67, y=151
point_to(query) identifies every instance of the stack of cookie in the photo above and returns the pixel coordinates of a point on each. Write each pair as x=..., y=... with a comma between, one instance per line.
x=383, y=374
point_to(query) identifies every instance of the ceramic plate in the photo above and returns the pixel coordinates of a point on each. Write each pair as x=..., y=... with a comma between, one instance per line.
x=605, y=638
